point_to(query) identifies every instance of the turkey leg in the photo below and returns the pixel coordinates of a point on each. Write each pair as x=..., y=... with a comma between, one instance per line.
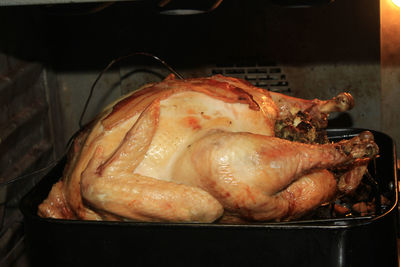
x=261, y=177
x=136, y=197
x=342, y=102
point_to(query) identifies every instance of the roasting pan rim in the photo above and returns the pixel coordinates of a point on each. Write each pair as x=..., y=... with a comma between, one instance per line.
x=29, y=211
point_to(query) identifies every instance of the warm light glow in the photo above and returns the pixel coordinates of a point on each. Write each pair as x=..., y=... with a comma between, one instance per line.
x=396, y=2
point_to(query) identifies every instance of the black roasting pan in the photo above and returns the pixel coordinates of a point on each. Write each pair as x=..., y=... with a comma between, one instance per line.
x=354, y=241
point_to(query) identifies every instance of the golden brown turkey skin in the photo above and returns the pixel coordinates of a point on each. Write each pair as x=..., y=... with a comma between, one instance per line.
x=188, y=150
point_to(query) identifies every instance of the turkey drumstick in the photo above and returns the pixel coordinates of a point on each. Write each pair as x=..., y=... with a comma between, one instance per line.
x=248, y=172
x=287, y=104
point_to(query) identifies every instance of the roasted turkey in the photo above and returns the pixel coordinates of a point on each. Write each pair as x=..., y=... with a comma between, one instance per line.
x=206, y=150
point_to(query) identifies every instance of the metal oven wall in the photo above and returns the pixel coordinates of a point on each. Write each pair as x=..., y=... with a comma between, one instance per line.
x=320, y=51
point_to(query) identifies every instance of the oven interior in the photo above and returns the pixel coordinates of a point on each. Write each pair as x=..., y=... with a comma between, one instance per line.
x=51, y=54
